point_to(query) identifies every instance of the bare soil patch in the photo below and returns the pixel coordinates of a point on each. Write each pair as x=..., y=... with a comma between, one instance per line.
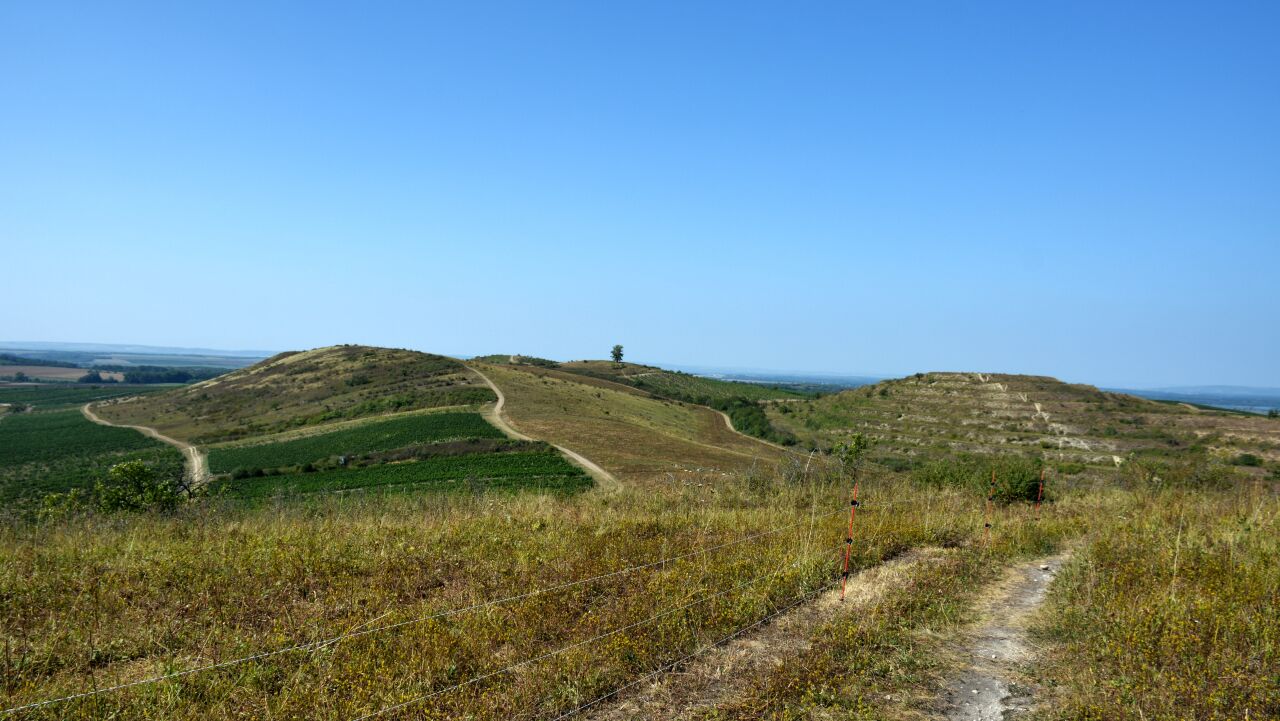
x=992, y=685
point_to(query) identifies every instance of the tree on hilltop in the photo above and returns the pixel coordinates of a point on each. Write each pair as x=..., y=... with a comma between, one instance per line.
x=617, y=355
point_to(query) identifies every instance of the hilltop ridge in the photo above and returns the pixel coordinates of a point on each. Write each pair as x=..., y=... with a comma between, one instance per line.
x=931, y=415
x=299, y=388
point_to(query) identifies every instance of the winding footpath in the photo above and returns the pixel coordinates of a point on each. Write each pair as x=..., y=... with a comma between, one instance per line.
x=729, y=422
x=197, y=465
x=991, y=685
x=494, y=415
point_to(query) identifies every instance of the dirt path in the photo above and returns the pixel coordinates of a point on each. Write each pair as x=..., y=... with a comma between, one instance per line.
x=493, y=414
x=197, y=465
x=729, y=422
x=989, y=687
x=717, y=676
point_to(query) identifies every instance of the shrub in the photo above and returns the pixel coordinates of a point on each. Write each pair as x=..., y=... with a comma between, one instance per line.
x=1246, y=459
x=135, y=486
x=1017, y=478
x=1198, y=471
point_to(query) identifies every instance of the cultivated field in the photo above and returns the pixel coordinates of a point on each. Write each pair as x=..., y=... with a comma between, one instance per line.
x=53, y=397
x=53, y=373
x=45, y=452
x=376, y=435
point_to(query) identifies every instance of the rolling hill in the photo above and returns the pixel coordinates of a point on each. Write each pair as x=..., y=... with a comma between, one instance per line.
x=933, y=415
x=633, y=434
x=298, y=389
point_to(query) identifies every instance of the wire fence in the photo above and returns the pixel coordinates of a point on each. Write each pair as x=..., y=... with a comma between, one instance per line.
x=362, y=630
x=802, y=599
x=586, y=642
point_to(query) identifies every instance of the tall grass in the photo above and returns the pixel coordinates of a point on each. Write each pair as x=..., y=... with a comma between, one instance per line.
x=1171, y=611
x=92, y=601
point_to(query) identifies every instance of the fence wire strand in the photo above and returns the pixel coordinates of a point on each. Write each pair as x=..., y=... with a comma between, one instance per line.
x=320, y=643
x=570, y=647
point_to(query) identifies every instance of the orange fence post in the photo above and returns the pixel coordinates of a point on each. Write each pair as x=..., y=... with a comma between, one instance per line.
x=991, y=498
x=1040, y=493
x=848, y=541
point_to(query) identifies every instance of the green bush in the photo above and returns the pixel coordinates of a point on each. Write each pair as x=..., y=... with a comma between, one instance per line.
x=1198, y=471
x=1017, y=478
x=135, y=486
x=1246, y=459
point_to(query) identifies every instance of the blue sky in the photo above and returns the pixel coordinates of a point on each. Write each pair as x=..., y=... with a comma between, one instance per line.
x=1086, y=190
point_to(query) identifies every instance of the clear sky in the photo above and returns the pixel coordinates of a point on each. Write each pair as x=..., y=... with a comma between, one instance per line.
x=1087, y=190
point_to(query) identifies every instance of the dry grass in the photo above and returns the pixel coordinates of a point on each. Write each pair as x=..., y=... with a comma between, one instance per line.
x=936, y=415
x=1170, y=612
x=295, y=390
x=94, y=601
x=637, y=438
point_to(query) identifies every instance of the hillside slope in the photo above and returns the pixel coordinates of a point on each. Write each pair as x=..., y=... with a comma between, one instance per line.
x=634, y=436
x=296, y=389
x=932, y=415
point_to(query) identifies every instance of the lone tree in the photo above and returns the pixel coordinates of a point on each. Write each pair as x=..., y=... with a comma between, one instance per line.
x=617, y=355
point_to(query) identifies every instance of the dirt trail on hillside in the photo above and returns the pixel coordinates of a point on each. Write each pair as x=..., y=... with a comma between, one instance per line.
x=990, y=686
x=197, y=464
x=729, y=422
x=493, y=414
x=719, y=675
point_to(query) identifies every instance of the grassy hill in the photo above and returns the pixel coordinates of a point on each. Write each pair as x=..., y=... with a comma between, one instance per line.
x=935, y=415
x=298, y=389
x=676, y=385
x=631, y=433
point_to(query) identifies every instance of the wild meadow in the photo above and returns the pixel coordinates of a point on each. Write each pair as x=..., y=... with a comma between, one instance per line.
x=1166, y=595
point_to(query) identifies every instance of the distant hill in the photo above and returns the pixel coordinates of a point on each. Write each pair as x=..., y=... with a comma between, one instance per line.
x=1243, y=398
x=297, y=389
x=103, y=354
x=934, y=415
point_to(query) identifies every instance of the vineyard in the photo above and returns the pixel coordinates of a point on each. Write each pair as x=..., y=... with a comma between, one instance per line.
x=44, y=437
x=542, y=470
x=374, y=436
x=49, y=397
x=52, y=452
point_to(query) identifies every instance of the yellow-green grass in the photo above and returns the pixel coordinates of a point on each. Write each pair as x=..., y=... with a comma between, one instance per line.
x=96, y=601
x=294, y=390
x=1170, y=612
x=677, y=385
x=933, y=415
x=634, y=437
